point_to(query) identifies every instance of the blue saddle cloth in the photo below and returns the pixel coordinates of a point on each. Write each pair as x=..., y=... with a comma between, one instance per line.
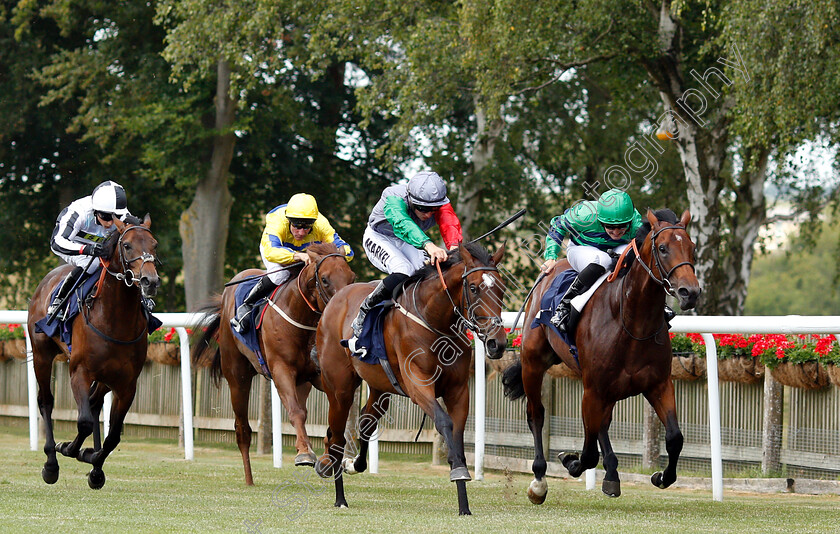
x=63, y=329
x=551, y=298
x=370, y=346
x=250, y=337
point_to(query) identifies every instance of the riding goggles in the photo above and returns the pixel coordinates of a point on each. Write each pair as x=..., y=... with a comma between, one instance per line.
x=425, y=209
x=103, y=215
x=616, y=226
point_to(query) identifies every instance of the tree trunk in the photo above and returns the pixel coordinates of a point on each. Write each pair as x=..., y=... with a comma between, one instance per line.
x=748, y=216
x=470, y=190
x=771, y=441
x=204, y=225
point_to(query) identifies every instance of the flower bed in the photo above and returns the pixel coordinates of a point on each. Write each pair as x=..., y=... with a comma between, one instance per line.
x=12, y=342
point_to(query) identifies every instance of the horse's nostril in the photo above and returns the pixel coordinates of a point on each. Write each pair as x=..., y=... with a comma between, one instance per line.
x=683, y=292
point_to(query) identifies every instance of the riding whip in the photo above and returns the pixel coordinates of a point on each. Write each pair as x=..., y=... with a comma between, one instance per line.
x=75, y=285
x=254, y=277
x=512, y=218
x=528, y=297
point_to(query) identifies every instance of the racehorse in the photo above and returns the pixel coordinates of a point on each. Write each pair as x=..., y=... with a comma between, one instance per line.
x=428, y=354
x=623, y=350
x=108, y=344
x=285, y=341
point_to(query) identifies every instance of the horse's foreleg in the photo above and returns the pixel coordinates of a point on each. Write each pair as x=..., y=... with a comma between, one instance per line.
x=80, y=383
x=458, y=403
x=535, y=412
x=285, y=380
x=122, y=402
x=663, y=402
x=594, y=413
x=611, y=485
x=330, y=463
x=46, y=401
x=377, y=405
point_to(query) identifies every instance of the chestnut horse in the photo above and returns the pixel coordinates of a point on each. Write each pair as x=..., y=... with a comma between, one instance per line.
x=109, y=341
x=285, y=344
x=428, y=352
x=624, y=349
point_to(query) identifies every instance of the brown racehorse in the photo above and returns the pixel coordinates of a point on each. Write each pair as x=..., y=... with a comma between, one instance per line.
x=428, y=352
x=623, y=348
x=285, y=346
x=109, y=341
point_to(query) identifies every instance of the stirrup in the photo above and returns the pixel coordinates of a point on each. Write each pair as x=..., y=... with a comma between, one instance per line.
x=358, y=323
x=240, y=321
x=559, y=319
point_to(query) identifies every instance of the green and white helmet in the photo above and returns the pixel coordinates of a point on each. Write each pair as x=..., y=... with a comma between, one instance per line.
x=615, y=207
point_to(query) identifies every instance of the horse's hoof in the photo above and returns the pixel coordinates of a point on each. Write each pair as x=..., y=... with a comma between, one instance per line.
x=566, y=458
x=537, y=491
x=306, y=459
x=341, y=505
x=96, y=478
x=349, y=465
x=658, y=480
x=465, y=512
x=459, y=473
x=611, y=488
x=50, y=476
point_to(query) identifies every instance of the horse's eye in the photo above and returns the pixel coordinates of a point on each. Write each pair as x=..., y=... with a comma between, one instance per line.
x=325, y=281
x=473, y=289
x=663, y=249
x=127, y=246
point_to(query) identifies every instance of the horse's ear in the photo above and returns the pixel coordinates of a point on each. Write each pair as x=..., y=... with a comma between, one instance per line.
x=499, y=254
x=685, y=219
x=119, y=224
x=147, y=221
x=466, y=256
x=654, y=222
x=314, y=256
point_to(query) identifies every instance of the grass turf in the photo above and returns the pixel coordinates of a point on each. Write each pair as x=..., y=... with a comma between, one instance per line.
x=151, y=488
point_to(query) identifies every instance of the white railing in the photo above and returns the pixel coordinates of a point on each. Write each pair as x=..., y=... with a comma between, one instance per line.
x=705, y=325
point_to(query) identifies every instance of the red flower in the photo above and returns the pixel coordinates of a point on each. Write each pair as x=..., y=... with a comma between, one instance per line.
x=517, y=341
x=168, y=336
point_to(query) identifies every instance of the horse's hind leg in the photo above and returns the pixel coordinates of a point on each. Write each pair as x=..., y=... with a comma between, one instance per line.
x=377, y=405
x=239, y=380
x=611, y=485
x=329, y=464
x=81, y=384
x=43, y=374
x=663, y=402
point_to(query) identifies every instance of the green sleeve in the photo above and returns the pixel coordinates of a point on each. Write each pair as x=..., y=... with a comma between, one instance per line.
x=396, y=212
x=554, y=239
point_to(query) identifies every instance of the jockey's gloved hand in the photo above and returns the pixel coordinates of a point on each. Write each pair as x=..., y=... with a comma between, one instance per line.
x=613, y=258
x=94, y=249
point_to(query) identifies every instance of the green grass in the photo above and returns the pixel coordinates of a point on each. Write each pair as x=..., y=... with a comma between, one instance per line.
x=151, y=488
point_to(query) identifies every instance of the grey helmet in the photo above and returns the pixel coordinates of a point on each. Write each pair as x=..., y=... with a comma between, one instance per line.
x=427, y=189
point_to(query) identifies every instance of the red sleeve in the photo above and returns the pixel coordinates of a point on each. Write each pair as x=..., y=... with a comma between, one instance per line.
x=450, y=226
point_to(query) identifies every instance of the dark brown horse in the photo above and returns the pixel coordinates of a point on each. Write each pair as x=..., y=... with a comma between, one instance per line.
x=109, y=342
x=284, y=341
x=428, y=352
x=624, y=349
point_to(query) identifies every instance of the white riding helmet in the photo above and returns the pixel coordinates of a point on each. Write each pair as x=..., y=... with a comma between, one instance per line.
x=427, y=189
x=109, y=197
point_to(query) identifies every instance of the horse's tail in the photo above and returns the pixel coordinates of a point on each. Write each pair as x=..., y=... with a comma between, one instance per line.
x=205, y=346
x=512, y=381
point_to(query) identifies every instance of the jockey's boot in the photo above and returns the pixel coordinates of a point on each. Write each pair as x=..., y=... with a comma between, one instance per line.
x=669, y=314
x=382, y=291
x=262, y=289
x=64, y=290
x=588, y=276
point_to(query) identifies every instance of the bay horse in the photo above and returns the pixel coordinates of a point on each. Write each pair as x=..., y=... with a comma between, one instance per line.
x=428, y=352
x=623, y=350
x=109, y=342
x=285, y=344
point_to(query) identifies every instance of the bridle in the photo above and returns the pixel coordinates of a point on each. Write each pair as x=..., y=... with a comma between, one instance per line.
x=471, y=319
x=127, y=276
x=325, y=297
x=663, y=280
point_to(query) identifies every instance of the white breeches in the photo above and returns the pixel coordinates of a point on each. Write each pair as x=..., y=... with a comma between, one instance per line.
x=582, y=255
x=392, y=254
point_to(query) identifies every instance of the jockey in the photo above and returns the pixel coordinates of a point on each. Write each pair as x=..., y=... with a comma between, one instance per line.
x=598, y=231
x=80, y=230
x=395, y=237
x=289, y=229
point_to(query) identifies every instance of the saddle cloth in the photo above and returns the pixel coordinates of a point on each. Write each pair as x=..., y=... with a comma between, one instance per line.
x=369, y=347
x=551, y=299
x=250, y=336
x=63, y=329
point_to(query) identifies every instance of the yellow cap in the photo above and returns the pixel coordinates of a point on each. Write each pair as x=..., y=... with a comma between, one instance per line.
x=302, y=206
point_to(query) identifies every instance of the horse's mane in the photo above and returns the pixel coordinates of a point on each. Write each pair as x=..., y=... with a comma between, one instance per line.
x=323, y=248
x=479, y=253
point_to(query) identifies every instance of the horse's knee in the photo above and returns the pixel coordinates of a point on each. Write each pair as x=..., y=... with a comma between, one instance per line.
x=85, y=425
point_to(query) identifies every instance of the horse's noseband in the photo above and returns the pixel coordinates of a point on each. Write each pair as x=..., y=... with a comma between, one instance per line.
x=472, y=319
x=665, y=281
x=127, y=275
